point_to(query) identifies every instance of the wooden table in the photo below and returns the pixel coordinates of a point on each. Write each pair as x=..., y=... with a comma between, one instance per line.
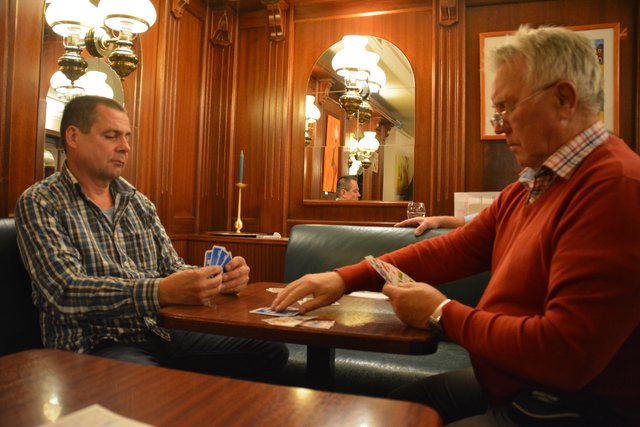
x=31, y=383
x=360, y=324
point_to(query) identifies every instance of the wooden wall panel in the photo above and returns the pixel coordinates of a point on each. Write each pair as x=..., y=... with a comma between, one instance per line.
x=21, y=158
x=216, y=190
x=180, y=120
x=261, y=126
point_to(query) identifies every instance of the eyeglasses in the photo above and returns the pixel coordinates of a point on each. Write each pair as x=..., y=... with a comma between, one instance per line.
x=498, y=116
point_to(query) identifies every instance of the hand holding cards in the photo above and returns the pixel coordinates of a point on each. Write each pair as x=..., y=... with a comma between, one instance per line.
x=217, y=255
x=389, y=272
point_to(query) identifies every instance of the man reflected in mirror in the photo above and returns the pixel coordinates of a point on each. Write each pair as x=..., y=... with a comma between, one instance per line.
x=347, y=188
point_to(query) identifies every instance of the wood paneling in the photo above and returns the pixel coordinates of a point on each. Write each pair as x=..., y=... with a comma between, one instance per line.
x=21, y=159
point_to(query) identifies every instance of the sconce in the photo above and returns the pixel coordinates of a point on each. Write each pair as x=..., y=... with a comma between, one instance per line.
x=312, y=114
x=361, y=151
x=361, y=74
x=366, y=147
x=90, y=83
x=105, y=31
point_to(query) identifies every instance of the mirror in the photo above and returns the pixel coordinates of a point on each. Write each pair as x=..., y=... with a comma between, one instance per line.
x=335, y=143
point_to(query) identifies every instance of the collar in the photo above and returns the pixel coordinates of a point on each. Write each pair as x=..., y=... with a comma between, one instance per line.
x=566, y=159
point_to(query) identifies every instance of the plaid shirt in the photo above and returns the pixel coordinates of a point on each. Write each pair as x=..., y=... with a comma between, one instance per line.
x=93, y=279
x=563, y=162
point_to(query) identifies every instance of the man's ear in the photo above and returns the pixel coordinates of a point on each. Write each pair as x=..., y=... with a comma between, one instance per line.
x=71, y=136
x=566, y=95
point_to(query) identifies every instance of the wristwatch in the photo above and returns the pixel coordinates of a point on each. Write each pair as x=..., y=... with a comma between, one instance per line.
x=434, y=319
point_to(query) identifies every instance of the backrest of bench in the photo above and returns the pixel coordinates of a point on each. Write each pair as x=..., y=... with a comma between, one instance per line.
x=19, y=324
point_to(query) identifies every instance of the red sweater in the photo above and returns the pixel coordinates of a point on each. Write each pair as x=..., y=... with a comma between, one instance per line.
x=562, y=308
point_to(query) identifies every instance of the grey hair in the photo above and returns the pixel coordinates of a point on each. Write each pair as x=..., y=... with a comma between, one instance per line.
x=344, y=183
x=552, y=54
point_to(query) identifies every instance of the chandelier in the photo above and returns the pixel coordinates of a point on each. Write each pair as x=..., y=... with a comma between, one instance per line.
x=106, y=31
x=362, y=76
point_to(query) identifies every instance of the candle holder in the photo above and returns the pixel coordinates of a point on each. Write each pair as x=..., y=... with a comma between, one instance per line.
x=238, y=223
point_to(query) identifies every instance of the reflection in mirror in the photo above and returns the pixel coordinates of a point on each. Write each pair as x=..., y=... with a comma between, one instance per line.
x=364, y=90
x=100, y=79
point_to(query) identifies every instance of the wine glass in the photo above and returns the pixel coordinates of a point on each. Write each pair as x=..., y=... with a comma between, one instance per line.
x=415, y=209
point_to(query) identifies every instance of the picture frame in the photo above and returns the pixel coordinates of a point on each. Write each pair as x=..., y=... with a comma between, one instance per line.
x=331, y=155
x=606, y=39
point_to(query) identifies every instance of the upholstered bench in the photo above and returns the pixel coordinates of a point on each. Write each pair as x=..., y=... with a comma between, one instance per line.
x=317, y=248
x=19, y=325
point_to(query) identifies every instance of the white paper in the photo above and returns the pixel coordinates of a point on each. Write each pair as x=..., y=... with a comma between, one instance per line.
x=95, y=416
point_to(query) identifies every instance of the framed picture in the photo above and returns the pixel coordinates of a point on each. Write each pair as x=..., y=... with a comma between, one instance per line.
x=605, y=40
x=331, y=156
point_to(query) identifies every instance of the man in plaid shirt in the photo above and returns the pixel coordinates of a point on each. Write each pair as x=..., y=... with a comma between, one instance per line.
x=102, y=264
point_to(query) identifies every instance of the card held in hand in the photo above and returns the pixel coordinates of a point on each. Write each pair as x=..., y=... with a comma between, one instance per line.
x=389, y=272
x=217, y=255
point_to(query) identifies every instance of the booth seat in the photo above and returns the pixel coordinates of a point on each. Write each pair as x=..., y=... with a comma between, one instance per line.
x=318, y=248
x=19, y=327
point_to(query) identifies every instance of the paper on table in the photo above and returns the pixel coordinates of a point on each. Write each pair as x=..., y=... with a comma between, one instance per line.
x=96, y=416
x=369, y=294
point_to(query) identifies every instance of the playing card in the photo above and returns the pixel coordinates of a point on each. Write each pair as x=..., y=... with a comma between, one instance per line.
x=291, y=311
x=224, y=259
x=207, y=258
x=320, y=324
x=389, y=272
x=283, y=321
x=215, y=254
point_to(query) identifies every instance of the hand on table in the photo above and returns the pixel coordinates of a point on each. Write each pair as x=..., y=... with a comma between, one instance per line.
x=325, y=287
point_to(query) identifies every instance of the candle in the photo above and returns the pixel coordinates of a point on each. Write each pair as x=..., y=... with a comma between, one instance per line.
x=241, y=167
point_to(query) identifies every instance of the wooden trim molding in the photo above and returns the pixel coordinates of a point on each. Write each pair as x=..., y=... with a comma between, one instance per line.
x=448, y=147
x=178, y=8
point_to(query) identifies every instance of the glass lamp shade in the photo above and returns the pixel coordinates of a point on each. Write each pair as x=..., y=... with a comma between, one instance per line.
x=71, y=17
x=377, y=79
x=368, y=142
x=58, y=79
x=312, y=112
x=95, y=83
x=354, y=58
x=135, y=16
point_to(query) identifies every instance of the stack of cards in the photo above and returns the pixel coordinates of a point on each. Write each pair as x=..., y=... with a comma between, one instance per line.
x=389, y=272
x=291, y=318
x=217, y=255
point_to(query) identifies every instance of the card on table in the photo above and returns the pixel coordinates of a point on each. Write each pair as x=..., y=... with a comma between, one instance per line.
x=389, y=272
x=283, y=321
x=291, y=311
x=318, y=324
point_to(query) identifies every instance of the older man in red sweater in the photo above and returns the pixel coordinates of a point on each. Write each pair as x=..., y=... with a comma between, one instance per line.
x=561, y=312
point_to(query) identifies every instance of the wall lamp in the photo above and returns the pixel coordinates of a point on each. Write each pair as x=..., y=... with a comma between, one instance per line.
x=312, y=114
x=362, y=76
x=107, y=30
